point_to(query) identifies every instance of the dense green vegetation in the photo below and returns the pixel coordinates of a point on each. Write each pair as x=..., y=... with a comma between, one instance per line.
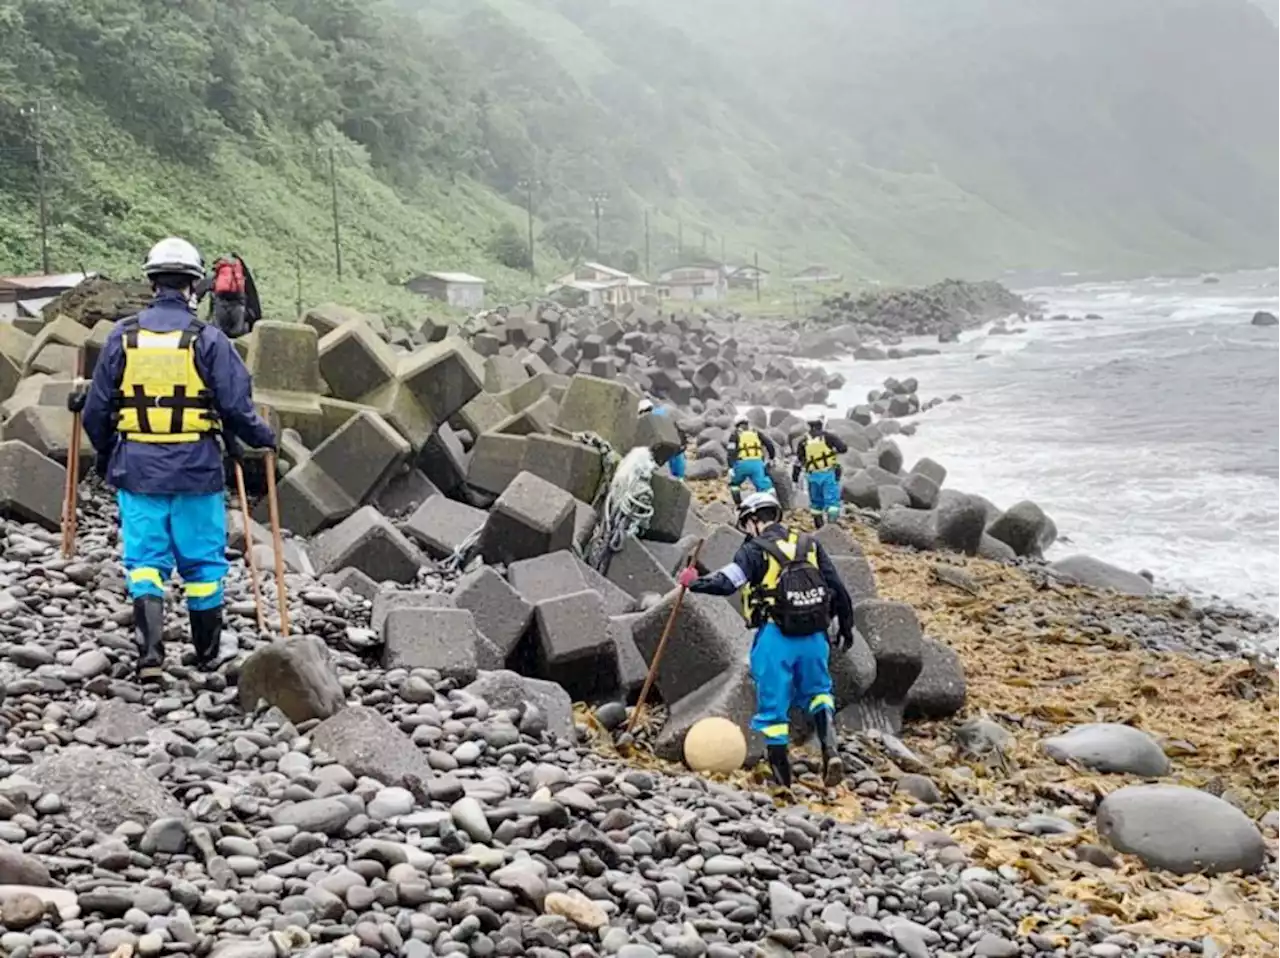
x=892, y=140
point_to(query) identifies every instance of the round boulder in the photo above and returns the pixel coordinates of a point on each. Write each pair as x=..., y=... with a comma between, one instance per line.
x=715, y=745
x=1109, y=747
x=959, y=520
x=1181, y=830
x=1263, y=318
x=1096, y=574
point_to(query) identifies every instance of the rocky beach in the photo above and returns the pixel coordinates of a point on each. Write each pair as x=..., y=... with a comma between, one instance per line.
x=1044, y=758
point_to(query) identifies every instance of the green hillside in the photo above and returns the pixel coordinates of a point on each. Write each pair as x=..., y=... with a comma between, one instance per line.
x=892, y=141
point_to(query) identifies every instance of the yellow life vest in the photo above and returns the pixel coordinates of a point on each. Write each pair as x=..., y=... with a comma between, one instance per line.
x=749, y=445
x=818, y=455
x=162, y=398
x=758, y=599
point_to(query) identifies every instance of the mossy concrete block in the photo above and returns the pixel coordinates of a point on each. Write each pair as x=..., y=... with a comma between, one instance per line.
x=362, y=455
x=570, y=465
x=532, y=517
x=284, y=357
x=62, y=331
x=400, y=407
x=603, y=407
x=31, y=485
x=496, y=459
x=443, y=377
x=354, y=361
x=327, y=317
x=482, y=414
x=47, y=429
x=14, y=346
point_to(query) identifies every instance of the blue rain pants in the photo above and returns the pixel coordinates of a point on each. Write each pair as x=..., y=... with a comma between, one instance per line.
x=824, y=493
x=753, y=470
x=788, y=671
x=163, y=532
x=676, y=464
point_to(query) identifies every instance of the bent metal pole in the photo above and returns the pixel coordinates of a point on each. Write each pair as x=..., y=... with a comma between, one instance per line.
x=277, y=544
x=662, y=644
x=248, y=545
x=69, y=498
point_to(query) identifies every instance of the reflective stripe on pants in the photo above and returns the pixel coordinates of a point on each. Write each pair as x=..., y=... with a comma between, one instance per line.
x=824, y=493
x=788, y=671
x=187, y=532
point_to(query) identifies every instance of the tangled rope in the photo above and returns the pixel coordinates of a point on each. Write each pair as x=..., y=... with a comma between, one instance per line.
x=628, y=507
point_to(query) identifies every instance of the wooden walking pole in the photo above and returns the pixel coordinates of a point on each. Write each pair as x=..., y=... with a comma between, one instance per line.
x=69, y=503
x=248, y=546
x=277, y=544
x=662, y=644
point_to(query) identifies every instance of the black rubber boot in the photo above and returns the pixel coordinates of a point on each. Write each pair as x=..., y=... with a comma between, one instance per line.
x=148, y=624
x=832, y=766
x=819, y=521
x=206, y=636
x=780, y=765
x=736, y=495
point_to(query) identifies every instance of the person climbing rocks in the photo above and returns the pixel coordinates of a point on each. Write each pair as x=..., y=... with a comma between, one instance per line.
x=747, y=448
x=676, y=464
x=235, y=297
x=164, y=386
x=791, y=590
x=816, y=455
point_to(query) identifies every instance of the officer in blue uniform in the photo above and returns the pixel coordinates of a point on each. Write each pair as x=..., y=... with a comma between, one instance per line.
x=676, y=464
x=164, y=387
x=816, y=454
x=787, y=669
x=747, y=448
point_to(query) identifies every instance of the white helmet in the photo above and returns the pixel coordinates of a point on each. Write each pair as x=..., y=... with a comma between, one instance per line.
x=174, y=255
x=817, y=419
x=741, y=420
x=646, y=405
x=758, y=502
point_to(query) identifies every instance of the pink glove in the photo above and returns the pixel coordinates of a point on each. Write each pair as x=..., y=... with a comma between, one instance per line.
x=687, y=576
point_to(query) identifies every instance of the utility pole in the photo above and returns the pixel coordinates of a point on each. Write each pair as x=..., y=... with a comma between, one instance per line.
x=597, y=204
x=648, y=272
x=35, y=112
x=527, y=184
x=756, y=260
x=297, y=272
x=680, y=240
x=333, y=188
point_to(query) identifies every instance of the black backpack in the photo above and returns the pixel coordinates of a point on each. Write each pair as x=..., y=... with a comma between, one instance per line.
x=801, y=602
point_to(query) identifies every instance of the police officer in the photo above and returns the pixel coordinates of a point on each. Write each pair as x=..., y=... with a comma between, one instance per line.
x=676, y=464
x=787, y=669
x=816, y=454
x=747, y=449
x=164, y=386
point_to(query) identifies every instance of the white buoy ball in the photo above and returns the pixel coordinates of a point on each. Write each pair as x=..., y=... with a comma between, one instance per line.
x=715, y=745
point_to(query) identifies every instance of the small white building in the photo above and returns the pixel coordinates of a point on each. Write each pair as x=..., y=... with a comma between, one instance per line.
x=748, y=277
x=693, y=283
x=594, y=284
x=457, y=289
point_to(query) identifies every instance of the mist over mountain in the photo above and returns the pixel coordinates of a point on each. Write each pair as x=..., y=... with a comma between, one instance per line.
x=891, y=141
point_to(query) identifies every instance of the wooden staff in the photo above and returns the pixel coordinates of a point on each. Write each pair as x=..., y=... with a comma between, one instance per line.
x=277, y=543
x=248, y=544
x=662, y=644
x=70, y=492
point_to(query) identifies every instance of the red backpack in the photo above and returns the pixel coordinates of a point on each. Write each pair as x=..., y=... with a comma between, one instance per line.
x=228, y=276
